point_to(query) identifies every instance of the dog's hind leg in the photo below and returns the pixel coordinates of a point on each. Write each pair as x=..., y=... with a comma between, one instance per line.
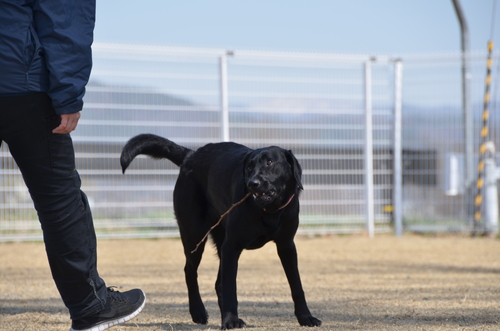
x=196, y=306
x=190, y=213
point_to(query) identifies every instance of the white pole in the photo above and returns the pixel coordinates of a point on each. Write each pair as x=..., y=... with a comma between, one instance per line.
x=397, y=190
x=490, y=197
x=467, y=110
x=369, y=197
x=224, y=103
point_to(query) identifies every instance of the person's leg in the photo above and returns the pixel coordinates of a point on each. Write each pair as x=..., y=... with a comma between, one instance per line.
x=47, y=163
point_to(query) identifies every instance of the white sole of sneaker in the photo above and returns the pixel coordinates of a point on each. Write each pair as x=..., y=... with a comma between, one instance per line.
x=108, y=324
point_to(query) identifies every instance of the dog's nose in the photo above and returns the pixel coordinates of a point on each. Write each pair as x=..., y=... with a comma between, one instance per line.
x=253, y=183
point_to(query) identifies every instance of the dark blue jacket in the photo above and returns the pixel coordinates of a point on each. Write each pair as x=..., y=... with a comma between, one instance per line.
x=45, y=46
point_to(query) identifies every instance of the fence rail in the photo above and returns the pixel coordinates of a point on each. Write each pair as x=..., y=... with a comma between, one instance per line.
x=371, y=134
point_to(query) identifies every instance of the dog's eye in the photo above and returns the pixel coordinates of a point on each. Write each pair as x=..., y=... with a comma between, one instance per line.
x=269, y=162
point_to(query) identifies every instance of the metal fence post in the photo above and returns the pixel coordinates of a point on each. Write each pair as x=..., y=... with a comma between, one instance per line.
x=369, y=196
x=397, y=190
x=467, y=111
x=224, y=102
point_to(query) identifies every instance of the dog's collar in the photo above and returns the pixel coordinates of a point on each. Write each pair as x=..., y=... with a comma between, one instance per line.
x=286, y=204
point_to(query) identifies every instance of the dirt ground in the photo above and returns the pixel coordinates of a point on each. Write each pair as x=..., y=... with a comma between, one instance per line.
x=351, y=283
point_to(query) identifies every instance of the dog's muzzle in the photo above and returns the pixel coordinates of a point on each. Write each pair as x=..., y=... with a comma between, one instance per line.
x=260, y=192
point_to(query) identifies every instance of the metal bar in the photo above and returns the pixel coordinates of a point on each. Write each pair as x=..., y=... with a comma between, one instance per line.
x=467, y=113
x=224, y=103
x=130, y=106
x=369, y=195
x=166, y=53
x=397, y=192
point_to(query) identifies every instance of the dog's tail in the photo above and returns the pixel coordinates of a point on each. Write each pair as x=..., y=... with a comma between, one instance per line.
x=155, y=146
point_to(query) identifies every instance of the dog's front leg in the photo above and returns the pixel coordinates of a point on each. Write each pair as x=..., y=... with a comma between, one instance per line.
x=288, y=256
x=228, y=271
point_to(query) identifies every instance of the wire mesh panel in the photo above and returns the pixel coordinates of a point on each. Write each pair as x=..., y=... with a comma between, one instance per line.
x=312, y=104
x=18, y=219
x=315, y=106
x=383, y=144
x=136, y=90
x=434, y=139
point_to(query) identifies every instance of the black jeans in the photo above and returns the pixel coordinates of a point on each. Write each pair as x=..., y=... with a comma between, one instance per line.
x=47, y=163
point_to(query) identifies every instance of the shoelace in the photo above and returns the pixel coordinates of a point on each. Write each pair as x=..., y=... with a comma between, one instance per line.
x=116, y=295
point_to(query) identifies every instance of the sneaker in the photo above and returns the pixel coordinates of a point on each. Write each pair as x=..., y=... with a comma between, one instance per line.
x=120, y=307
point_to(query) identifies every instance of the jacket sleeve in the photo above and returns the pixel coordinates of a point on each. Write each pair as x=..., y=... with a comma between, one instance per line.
x=65, y=29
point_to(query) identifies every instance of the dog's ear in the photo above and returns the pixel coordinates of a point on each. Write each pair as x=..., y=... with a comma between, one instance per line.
x=296, y=169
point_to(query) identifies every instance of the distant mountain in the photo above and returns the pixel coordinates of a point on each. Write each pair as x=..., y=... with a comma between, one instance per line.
x=116, y=114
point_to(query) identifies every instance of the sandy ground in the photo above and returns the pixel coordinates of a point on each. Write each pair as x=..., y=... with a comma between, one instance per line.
x=351, y=283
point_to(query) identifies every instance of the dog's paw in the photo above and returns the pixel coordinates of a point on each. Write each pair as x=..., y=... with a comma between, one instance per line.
x=232, y=321
x=309, y=321
x=200, y=316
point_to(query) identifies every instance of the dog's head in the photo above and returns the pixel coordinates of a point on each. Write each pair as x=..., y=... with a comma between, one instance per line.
x=272, y=174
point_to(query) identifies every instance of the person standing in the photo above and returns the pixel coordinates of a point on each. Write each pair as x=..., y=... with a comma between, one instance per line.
x=45, y=64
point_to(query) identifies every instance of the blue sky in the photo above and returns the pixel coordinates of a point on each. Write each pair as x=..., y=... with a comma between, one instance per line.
x=392, y=27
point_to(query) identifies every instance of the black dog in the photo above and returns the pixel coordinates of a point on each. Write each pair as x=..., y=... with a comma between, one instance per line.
x=211, y=180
